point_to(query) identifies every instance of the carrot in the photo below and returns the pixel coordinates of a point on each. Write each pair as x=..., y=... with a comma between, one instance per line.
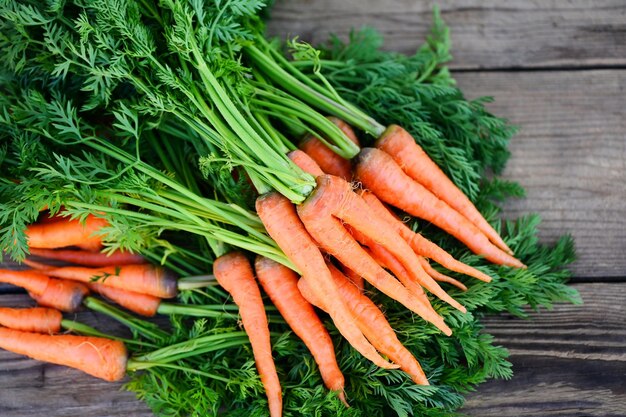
x=142, y=304
x=279, y=217
x=37, y=319
x=281, y=284
x=100, y=357
x=386, y=259
x=234, y=273
x=416, y=163
x=336, y=240
x=86, y=258
x=419, y=243
x=378, y=172
x=438, y=276
x=329, y=161
x=334, y=195
x=355, y=278
x=62, y=295
x=305, y=162
x=373, y=324
x=67, y=232
x=143, y=278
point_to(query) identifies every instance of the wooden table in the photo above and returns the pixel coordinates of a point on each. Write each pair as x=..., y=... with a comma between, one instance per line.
x=557, y=70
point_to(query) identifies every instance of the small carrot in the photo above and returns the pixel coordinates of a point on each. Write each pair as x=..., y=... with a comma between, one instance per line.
x=305, y=162
x=373, y=324
x=416, y=163
x=142, y=304
x=329, y=161
x=103, y=358
x=335, y=196
x=234, y=274
x=438, y=276
x=143, y=278
x=67, y=232
x=86, y=258
x=335, y=239
x=60, y=294
x=36, y=319
x=420, y=244
x=279, y=217
x=378, y=172
x=281, y=284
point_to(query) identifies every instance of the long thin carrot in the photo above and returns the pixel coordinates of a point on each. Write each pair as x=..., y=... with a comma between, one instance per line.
x=399, y=143
x=36, y=319
x=335, y=196
x=87, y=258
x=329, y=161
x=438, y=276
x=335, y=239
x=279, y=217
x=234, y=274
x=281, y=284
x=144, y=278
x=379, y=173
x=56, y=293
x=100, y=357
x=67, y=232
x=373, y=324
x=142, y=304
x=419, y=243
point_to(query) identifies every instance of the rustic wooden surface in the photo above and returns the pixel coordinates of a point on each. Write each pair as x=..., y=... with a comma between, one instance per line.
x=556, y=69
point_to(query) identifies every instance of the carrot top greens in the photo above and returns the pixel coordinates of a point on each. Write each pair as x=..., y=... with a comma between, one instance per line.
x=164, y=116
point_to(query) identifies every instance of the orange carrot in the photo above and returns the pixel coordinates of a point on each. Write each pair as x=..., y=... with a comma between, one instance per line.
x=354, y=278
x=281, y=284
x=438, y=276
x=86, y=258
x=60, y=294
x=142, y=304
x=420, y=244
x=329, y=161
x=305, y=162
x=416, y=163
x=386, y=259
x=143, y=278
x=37, y=319
x=373, y=324
x=335, y=239
x=234, y=274
x=334, y=195
x=378, y=172
x=67, y=232
x=103, y=358
x=279, y=217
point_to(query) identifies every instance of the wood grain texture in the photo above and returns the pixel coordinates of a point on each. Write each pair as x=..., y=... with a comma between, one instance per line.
x=567, y=362
x=570, y=156
x=485, y=34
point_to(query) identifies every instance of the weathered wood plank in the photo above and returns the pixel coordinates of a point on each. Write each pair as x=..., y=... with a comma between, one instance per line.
x=568, y=362
x=485, y=34
x=570, y=156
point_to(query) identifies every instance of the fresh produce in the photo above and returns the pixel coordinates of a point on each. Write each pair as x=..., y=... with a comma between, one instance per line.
x=86, y=258
x=36, y=319
x=172, y=120
x=234, y=273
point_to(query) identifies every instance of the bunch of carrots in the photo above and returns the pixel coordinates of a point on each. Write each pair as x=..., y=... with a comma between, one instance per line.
x=342, y=235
